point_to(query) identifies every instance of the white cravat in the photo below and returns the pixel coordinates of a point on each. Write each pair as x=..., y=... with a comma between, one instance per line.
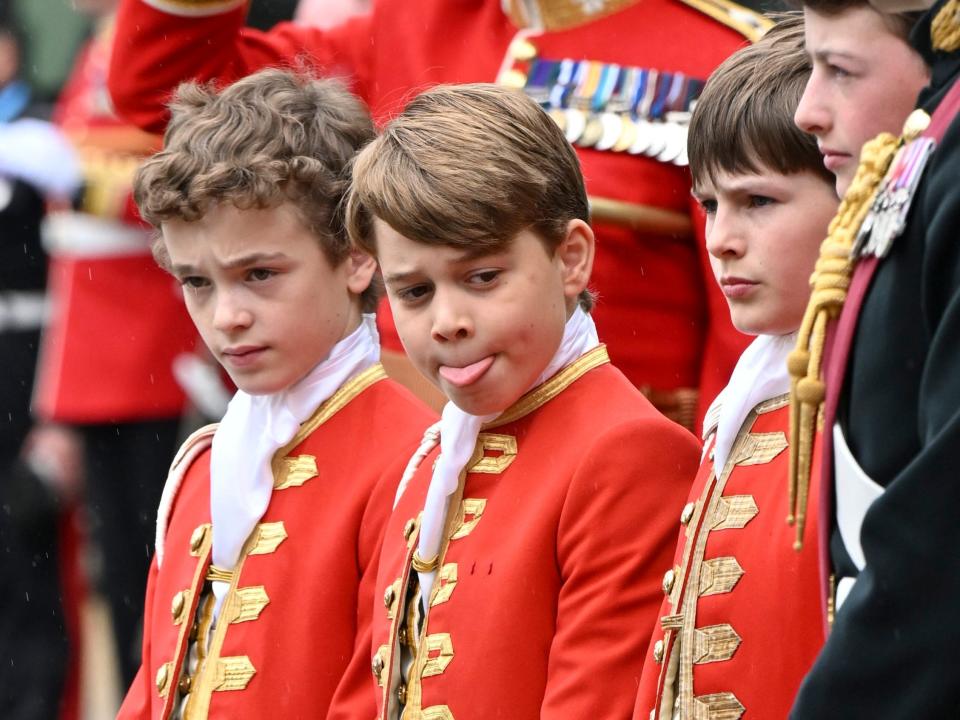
x=255, y=427
x=458, y=437
x=760, y=374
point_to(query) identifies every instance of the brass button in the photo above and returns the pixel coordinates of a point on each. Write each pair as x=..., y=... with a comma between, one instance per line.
x=196, y=540
x=389, y=595
x=687, y=514
x=669, y=577
x=185, y=685
x=178, y=605
x=658, y=652
x=408, y=528
x=405, y=637
x=377, y=665
x=163, y=678
x=402, y=694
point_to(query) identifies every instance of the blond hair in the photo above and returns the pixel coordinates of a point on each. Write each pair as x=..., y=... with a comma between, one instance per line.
x=275, y=136
x=468, y=166
x=743, y=121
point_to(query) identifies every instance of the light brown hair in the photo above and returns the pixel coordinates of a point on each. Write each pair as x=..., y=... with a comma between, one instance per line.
x=743, y=121
x=275, y=136
x=468, y=166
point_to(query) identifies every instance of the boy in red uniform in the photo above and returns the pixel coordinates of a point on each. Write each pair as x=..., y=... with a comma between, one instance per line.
x=521, y=555
x=270, y=523
x=740, y=623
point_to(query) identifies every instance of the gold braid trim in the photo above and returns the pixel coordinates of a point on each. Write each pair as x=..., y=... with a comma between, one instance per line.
x=945, y=28
x=830, y=282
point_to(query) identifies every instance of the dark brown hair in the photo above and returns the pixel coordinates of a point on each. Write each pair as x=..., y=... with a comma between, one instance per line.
x=468, y=166
x=275, y=136
x=743, y=121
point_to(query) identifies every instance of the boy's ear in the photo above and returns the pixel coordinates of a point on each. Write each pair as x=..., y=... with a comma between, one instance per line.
x=575, y=253
x=360, y=270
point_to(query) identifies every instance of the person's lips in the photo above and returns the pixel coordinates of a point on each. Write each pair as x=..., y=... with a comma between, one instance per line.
x=833, y=159
x=467, y=374
x=242, y=355
x=737, y=287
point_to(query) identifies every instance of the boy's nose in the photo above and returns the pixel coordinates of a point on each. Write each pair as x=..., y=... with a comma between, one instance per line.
x=229, y=314
x=724, y=237
x=811, y=115
x=451, y=323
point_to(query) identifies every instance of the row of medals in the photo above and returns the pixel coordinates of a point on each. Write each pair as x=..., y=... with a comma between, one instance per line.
x=626, y=130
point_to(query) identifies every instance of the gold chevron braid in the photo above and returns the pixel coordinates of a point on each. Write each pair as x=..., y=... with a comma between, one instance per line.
x=830, y=282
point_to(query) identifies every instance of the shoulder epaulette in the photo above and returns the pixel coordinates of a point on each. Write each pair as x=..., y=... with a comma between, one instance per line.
x=191, y=448
x=749, y=23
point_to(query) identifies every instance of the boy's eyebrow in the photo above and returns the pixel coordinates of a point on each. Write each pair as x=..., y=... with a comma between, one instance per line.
x=238, y=262
x=466, y=256
x=824, y=54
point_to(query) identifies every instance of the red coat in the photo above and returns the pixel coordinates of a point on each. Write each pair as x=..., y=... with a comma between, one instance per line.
x=740, y=624
x=118, y=320
x=552, y=574
x=303, y=596
x=666, y=324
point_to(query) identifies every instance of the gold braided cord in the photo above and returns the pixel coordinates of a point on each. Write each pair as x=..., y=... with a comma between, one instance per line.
x=945, y=28
x=830, y=282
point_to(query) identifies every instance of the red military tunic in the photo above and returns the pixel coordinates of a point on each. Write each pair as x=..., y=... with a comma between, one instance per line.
x=549, y=575
x=666, y=324
x=299, y=602
x=740, y=624
x=118, y=320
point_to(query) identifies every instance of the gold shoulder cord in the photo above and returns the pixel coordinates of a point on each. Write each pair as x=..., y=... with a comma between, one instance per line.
x=830, y=281
x=945, y=28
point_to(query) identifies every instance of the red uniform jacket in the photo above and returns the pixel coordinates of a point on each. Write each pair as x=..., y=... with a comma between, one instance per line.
x=118, y=320
x=299, y=604
x=740, y=624
x=665, y=322
x=550, y=573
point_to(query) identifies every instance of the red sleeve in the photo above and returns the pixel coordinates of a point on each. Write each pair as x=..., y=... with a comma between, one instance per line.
x=155, y=51
x=356, y=695
x=723, y=343
x=617, y=533
x=136, y=703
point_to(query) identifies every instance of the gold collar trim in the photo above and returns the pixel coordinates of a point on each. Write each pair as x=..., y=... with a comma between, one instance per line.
x=335, y=403
x=546, y=392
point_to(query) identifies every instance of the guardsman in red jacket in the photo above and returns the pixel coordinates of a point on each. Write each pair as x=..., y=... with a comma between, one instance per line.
x=519, y=568
x=620, y=75
x=740, y=624
x=269, y=528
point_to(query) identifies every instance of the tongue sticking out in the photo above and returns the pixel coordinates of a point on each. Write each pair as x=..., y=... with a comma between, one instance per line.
x=463, y=376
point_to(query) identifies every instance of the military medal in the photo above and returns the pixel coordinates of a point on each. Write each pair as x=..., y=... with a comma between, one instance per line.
x=887, y=217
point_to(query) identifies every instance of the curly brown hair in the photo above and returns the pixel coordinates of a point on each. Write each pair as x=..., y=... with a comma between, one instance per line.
x=275, y=136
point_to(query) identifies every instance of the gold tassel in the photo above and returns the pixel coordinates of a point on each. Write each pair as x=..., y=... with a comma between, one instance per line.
x=830, y=282
x=945, y=28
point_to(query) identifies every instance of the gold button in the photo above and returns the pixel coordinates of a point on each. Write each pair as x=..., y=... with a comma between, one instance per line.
x=402, y=694
x=185, y=685
x=377, y=665
x=669, y=577
x=178, y=605
x=163, y=677
x=408, y=528
x=388, y=597
x=196, y=540
x=687, y=514
x=522, y=49
x=658, y=652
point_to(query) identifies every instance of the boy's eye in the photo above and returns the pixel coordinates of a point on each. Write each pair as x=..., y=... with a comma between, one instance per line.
x=261, y=274
x=195, y=282
x=483, y=277
x=761, y=201
x=708, y=204
x=413, y=293
x=837, y=71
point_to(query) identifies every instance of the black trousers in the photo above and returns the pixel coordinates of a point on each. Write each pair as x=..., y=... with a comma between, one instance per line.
x=126, y=467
